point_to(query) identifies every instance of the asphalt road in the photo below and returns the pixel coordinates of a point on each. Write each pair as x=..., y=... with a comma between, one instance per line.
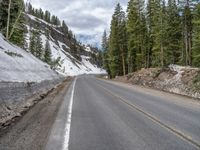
x=94, y=114
x=104, y=115
x=31, y=132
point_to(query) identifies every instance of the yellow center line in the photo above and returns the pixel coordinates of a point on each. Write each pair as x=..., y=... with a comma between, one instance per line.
x=154, y=119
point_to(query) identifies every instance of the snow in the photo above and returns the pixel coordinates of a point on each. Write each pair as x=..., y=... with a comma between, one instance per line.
x=71, y=66
x=88, y=49
x=179, y=70
x=26, y=68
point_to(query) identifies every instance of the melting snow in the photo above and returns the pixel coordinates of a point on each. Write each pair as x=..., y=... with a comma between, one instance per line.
x=71, y=66
x=26, y=68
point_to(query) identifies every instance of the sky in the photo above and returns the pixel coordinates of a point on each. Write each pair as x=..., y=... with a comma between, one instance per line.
x=86, y=18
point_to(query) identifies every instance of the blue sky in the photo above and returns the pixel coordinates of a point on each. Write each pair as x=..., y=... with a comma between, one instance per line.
x=86, y=18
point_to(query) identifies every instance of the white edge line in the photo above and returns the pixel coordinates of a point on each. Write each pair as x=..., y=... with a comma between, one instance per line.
x=68, y=123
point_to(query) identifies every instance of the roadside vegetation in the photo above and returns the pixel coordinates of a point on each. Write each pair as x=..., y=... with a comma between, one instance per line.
x=153, y=34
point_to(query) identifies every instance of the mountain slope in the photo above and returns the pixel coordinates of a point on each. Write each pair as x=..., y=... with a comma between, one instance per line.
x=17, y=65
x=76, y=59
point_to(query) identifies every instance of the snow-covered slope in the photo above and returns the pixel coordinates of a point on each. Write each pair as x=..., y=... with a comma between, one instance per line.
x=70, y=65
x=17, y=65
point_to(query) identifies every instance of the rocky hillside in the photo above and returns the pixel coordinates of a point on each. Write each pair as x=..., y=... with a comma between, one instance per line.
x=75, y=58
x=174, y=79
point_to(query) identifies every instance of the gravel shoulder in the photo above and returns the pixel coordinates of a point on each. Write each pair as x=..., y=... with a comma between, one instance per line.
x=31, y=132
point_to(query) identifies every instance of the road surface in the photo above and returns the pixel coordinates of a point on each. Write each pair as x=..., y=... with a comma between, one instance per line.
x=102, y=115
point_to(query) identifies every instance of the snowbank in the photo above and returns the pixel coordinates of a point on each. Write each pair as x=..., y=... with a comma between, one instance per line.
x=17, y=65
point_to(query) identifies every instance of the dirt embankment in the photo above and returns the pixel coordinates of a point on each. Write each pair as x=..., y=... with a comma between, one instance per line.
x=174, y=79
x=17, y=98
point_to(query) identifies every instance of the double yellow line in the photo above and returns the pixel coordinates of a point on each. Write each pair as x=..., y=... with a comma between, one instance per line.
x=154, y=119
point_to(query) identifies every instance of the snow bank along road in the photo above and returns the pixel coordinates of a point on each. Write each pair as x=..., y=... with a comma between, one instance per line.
x=104, y=115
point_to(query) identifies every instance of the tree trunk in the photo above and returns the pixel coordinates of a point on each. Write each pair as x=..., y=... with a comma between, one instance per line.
x=123, y=63
x=8, y=21
x=162, y=55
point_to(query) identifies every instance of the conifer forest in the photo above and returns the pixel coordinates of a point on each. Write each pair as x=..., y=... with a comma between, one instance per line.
x=152, y=33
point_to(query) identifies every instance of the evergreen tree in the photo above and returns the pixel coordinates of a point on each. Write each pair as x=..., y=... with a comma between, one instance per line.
x=196, y=37
x=30, y=9
x=41, y=14
x=15, y=32
x=137, y=34
x=187, y=30
x=35, y=46
x=105, y=52
x=32, y=43
x=47, y=53
x=65, y=28
x=158, y=18
x=150, y=24
x=173, y=34
x=123, y=43
x=116, y=66
x=38, y=46
x=47, y=16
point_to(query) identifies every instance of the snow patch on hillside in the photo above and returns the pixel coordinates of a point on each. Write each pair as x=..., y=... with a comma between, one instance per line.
x=17, y=65
x=70, y=66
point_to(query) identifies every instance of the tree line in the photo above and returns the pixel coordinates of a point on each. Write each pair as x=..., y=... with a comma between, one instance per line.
x=152, y=33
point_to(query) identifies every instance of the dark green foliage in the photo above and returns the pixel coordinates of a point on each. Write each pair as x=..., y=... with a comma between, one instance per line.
x=117, y=51
x=137, y=36
x=157, y=33
x=35, y=45
x=65, y=28
x=47, y=16
x=47, y=53
x=173, y=35
x=105, y=52
x=32, y=43
x=16, y=26
x=18, y=36
x=38, y=46
x=196, y=39
x=55, y=20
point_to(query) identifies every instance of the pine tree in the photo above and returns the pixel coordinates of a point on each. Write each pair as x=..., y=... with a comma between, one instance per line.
x=187, y=30
x=47, y=53
x=123, y=44
x=30, y=9
x=35, y=46
x=41, y=14
x=38, y=46
x=173, y=34
x=116, y=67
x=47, y=16
x=65, y=28
x=105, y=52
x=137, y=35
x=157, y=33
x=15, y=32
x=150, y=23
x=196, y=37
x=32, y=43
